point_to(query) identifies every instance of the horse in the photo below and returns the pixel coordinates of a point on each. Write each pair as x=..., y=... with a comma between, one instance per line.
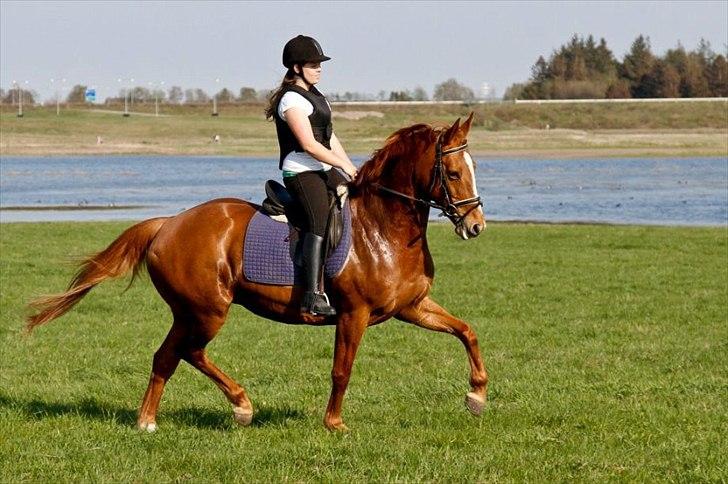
x=195, y=262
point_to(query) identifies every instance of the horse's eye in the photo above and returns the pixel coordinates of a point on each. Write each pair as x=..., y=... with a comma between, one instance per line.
x=453, y=175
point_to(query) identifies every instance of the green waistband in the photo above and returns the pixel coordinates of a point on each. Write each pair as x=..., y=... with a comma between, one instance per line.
x=288, y=174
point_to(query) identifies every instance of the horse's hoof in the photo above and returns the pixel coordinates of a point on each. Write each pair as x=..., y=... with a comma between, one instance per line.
x=474, y=403
x=336, y=426
x=243, y=416
x=148, y=426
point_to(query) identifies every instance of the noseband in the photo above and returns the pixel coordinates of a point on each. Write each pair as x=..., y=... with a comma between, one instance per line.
x=450, y=207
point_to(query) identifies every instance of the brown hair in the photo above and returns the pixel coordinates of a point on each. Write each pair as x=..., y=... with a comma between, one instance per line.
x=277, y=94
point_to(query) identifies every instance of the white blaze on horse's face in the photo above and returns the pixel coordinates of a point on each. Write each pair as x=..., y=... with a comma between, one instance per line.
x=474, y=222
x=471, y=167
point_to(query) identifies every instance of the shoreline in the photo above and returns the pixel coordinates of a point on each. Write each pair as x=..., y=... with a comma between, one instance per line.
x=69, y=208
x=565, y=154
x=573, y=223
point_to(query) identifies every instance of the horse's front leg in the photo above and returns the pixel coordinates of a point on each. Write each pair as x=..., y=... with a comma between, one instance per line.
x=430, y=315
x=349, y=331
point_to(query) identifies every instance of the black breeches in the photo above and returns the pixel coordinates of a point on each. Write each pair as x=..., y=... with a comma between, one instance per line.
x=310, y=190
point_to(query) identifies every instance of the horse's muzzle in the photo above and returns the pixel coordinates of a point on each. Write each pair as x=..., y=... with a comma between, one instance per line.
x=469, y=231
x=476, y=229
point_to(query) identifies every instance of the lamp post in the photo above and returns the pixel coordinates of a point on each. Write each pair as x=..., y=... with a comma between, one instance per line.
x=55, y=93
x=58, y=98
x=20, y=98
x=156, y=98
x=131, y=93
x=17, y=95
x=63, y=89
x=156, y=95
x=124, y=90
x=154, y=92
x=214, y=97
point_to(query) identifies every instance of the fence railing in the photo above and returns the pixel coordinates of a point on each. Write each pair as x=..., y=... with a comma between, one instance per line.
x=411, y=103
x=632, y=100
x=529, y=101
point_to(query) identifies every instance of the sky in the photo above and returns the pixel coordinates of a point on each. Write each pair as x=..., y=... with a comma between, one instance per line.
x=374, y=45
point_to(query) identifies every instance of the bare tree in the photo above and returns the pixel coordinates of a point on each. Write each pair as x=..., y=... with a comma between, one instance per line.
x=201, y=96
x=248, y=95
x=157, y=95
x=400, y=96
x=225, y=96
x=515, y=91
x=175, y=95
x=419, y=94
x=190, y=96
x=141, y=95
x=77, y=95
x=452, y=90
x=11, y=96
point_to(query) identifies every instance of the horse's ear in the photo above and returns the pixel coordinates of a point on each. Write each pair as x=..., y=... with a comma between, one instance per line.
x=465, y=128
x=451, y=131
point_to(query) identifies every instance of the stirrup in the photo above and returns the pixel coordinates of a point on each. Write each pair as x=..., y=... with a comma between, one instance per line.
x=317, y=303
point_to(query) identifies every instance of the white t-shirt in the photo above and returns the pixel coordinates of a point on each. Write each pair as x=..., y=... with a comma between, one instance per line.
x=298, y=162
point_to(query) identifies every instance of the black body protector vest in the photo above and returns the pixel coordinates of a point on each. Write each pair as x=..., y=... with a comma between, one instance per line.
x=320, y=120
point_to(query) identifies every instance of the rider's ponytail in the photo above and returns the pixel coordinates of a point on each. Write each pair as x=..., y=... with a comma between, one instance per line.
x=275, y=96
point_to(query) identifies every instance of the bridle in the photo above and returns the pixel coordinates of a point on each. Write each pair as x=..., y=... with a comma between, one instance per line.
x=450, y=207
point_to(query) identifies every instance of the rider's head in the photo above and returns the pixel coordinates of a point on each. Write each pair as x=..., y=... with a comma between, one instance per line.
x=303, y=56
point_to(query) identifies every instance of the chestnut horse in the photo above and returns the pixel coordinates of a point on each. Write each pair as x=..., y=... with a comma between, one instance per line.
x=195, y=261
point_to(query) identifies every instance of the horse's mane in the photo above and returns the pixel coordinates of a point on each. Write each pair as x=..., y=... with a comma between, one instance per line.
x=407, y=140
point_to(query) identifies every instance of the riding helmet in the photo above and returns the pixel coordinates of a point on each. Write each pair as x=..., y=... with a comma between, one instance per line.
x=302, y=49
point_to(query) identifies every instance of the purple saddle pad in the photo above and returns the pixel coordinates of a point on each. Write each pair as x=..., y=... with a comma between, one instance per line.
x=267, y=251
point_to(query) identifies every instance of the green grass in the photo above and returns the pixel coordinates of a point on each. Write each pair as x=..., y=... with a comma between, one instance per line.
x=695, y=129
x=606, y=347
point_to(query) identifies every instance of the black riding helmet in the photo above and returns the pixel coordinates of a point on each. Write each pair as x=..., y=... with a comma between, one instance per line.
x=302, y=49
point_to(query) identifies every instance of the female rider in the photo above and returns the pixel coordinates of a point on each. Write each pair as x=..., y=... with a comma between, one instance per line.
x=309, y=149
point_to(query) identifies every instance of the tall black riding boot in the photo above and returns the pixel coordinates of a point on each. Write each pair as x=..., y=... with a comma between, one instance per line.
x=314, y=301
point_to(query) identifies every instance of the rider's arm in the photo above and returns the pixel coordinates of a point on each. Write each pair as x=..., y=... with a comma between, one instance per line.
x=338, y=149
x=301, y=128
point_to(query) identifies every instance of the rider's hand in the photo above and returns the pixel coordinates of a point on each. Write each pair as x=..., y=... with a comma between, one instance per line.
x=351, y=171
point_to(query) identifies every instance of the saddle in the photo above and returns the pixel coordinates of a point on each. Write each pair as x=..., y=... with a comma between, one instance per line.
x=281, y=207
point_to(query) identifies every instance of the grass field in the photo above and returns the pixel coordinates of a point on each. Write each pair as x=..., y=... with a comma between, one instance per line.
x=680, y=129
x=606, y=347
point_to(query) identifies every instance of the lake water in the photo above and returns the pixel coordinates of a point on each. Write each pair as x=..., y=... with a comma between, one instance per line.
x=663, y=191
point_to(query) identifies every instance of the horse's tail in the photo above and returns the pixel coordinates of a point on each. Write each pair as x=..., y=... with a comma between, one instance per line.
x=127, y=252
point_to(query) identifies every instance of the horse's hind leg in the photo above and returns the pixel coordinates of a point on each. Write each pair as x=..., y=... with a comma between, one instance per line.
x=164, y=364
x=187, y=340
x=430, y=315
x=193, y=351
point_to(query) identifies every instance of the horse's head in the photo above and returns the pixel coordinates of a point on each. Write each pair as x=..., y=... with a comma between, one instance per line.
x=450, y=180
x=429, y=167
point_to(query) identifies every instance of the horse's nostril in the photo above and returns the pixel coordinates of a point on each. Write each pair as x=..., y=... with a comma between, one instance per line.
x=476, y=229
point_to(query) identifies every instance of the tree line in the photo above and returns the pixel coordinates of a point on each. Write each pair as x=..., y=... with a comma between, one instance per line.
x=448, y=90
x=579, y=69
x=178, y=95
x=583, y=68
